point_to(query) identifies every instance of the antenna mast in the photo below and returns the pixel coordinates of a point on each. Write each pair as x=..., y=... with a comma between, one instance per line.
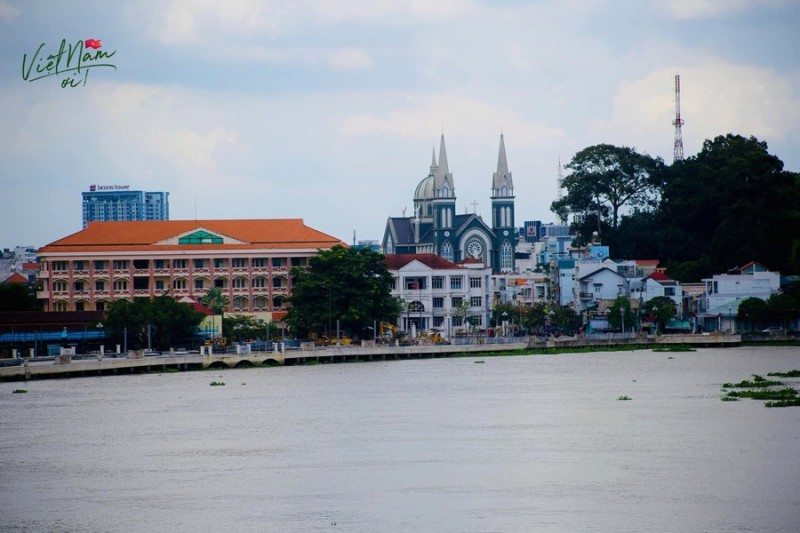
x=560, y=183
x=678, y=122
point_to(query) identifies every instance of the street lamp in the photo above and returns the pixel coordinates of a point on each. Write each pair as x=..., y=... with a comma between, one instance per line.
x=622, y=318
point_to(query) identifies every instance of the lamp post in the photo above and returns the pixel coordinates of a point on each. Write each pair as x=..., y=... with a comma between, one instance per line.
x=622, y=318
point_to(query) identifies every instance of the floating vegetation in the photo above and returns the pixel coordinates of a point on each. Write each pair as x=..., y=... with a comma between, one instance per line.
x=479, y=361
x=783, y=403
x=20, y=391
x=773, y=394
x=759, y=389
x=217, y=383
x=789, y=374
x=757, y=382
x=675, y=348
x=625, y=398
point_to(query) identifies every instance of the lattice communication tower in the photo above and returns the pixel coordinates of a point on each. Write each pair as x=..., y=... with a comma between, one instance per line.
x=678, y=122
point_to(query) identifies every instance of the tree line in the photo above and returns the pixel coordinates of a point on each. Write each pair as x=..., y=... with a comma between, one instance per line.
x=730, y=204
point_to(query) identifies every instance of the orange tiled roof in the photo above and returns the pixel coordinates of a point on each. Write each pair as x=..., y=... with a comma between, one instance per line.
x=16, y=277
x=142, y=235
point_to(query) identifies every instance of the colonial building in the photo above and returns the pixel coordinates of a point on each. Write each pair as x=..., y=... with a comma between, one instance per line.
x=440, y=295
x=436, y=228
x=249, y=260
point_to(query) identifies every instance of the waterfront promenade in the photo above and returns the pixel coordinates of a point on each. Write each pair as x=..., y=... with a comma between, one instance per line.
x=139, y=361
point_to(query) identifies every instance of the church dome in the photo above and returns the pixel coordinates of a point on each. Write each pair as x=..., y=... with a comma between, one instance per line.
x=425, y=189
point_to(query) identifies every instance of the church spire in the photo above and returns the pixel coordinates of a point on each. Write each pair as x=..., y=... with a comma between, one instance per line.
x=443, y=178
x=502, y=184
x=443, y=158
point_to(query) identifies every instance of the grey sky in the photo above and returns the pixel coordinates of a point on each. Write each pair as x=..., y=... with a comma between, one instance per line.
x=328, y=110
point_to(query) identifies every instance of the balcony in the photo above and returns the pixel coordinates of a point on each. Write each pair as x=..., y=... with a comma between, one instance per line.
x=586, y=296
x=41, y=295
x=43, y=274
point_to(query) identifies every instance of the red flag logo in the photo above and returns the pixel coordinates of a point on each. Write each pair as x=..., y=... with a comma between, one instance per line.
x=92, y=43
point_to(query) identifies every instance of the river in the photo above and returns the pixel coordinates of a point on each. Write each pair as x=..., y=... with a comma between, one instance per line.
x=530, y=443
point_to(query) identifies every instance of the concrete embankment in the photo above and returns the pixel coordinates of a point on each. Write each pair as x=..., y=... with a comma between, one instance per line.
x=135, y=363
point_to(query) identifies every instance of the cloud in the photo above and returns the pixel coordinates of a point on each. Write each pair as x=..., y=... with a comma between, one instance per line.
x=701, y=9
x=208, y=21
x=459, y=114
x=717, y=97
x=7, y=11
x=349, y=59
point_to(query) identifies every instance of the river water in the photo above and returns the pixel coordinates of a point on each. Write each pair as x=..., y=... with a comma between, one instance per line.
x=533, y=443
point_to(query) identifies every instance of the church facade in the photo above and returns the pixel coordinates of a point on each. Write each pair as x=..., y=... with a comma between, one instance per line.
x=436, y=228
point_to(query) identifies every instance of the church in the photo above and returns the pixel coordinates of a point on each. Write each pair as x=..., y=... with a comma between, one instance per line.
x=436, y=228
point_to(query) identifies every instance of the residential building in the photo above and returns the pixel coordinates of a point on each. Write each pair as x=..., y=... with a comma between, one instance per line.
x=436, y=228
x=440, y=295
x=249, y=260
x=724, y=293
x=118, y=203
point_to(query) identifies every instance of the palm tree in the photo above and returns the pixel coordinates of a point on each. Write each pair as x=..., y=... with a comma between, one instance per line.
x=215, y=300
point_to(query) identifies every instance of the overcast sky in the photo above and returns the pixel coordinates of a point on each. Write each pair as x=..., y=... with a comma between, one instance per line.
x=328, y=110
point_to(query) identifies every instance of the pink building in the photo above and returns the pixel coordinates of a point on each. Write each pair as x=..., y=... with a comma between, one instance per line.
x=249, y=260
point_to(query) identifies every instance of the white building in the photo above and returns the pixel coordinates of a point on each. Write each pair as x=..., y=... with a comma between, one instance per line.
x=440, y=295
x=724, y=293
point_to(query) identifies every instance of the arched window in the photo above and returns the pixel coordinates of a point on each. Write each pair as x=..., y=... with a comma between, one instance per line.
x=416, y=307
x=240, y=304
x=447, y=251
x=506, y=257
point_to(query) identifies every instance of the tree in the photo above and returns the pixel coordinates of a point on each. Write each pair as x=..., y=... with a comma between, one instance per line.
x=243, y=328
x=535, y=317
x=215, y=300
x=503, y=311
x=620, y=314
x=567, y=319
x=604, y=179
x=169, y=322
x=351, y=285
x=782, y=309
x=659, y=310
x=753, y=312
x=18, y=297
x=732, y=203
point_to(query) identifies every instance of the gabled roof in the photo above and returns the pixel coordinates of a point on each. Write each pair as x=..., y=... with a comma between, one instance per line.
x=752, y=266
x=661, y=278
x=16, y=277
x=144, y=235
x=398, y=261
x=595, y=272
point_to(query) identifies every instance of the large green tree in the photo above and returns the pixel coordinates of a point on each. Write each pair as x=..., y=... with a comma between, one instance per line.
x=603, y=180
x=170, y=322
x=730, y=204
x=18, y=297
x=752, y=313
x=351, y=285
